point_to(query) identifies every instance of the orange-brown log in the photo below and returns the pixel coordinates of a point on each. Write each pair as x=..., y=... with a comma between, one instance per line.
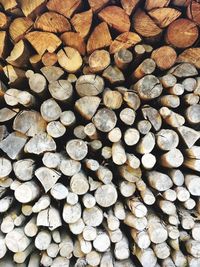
x=124, y=40
x=164, y=16
x=116, y=18
x=43, y=41
x=49, y=59
x=52, y=22
x=97, y=5
x=8, y=4
x=190, y=55
x=19, y=56
x=193, y=11
x=164, y=56
x=31, y=7
x=99, y=38
x=3, y=21
x=129, y=5
x=145, y=26
x=64, y=7
x=182, y=33
x=151, y=4
x=82, y=22
x=19, y=27
x=3, y=46
x=74, y=40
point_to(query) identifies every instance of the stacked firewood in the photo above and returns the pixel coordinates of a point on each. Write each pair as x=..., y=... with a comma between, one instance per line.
x=99, y=133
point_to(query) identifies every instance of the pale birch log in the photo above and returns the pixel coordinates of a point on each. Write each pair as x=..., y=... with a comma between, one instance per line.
x=42, y=203
x=67, y=118
x=90, y=213
x=24, y=169
x=27, y=192
x=16, y=240
x=101, y=242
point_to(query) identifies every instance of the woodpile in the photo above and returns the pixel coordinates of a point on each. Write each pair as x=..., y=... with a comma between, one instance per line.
x=99, y=133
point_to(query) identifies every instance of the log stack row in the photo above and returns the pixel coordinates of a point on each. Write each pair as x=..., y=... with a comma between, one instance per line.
x=99, y=133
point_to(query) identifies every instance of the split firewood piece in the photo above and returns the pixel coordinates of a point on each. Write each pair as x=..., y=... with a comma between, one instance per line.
x=19, y=27
x=99, y=60
x=184, y=70
x=64, y=7
x=99, y=38
x=189, y=135
x=124, y=40
x=146, y=144
x=164, y=16
x=89, y=85
x=193, y=114
x=7, y=114
x=129, y=5
x=29, y=123
x=148, y=87
x=164, y=57
x=50, y=110
x=193, y=11
x=3, y=132
x=47, y=177
x=112, y=99
x=152, y=115
x=151, y=4
x=74, y=40
x=3, y=48
x=35, y=61
x=13, y=144
x=116, y=17
x=105, y=120
x=87, y=111
x=123, y=58
x=49, y=59
x=97, y=5
x=113, y=75
x=70, y=59
x=146, y=67
x=52, y=22
x=50, y=218
x=29, y=8
x=15, y=75
x=61, y=90
x=159, y=181
x=145, y=26
x=40, y=143
x=27, y=192
x=106, y=195
x=182, y=33
x=132, y=99
x=127, y=116
x=52, y=73
x=43, y=41
x=82, y=22
x=5, y=167
x=8, y=4
x=77, y=149
x=172, y=118
x=19, y=56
